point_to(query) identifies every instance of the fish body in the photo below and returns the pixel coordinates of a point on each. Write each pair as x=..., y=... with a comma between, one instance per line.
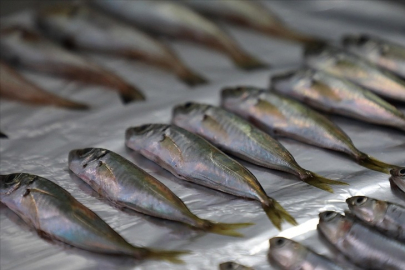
x=13, y=86
x=238, y=137
x=82, y=28
x=282, y=116
x=191, y=158
x=55, y=214
x=291, y=255
x=177, y=21
x=251, y=14
x=342, y=64
x=363, y=246
x=328, y=93
x=27, y=49
x=381, y=52
x=127, y=185
x=385, y=216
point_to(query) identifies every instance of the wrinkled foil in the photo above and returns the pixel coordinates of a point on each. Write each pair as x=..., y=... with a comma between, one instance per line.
x=40, y=139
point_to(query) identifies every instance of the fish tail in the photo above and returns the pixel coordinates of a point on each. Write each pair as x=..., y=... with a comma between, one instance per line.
x=228, y=229
x=170, y=256
x=191, y=78
x=277, y=214
x=375, y=164
x=247, y=62
x=130, y=94
x=321, y=182
x=65, y=103
x=291, y=35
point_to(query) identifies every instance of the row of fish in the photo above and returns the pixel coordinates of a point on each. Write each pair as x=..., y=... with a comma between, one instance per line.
x=371, y=236
x=82, y=28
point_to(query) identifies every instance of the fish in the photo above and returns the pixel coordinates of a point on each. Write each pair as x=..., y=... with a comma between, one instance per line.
x=128, y=186
x=13, y=86
x=57, y=215
x=384, y=53
x=236, y=136
x=290, y=255
x=338, y=96
x=251, y=14
x=282, y=116
x=364, y=246
x=385, y=216
x=176, y=21
x=190, y=157
x=3, y=135
x=82, y=28
x=27, y=49
x=233, y=266
x=345, y=65
x=398, y=177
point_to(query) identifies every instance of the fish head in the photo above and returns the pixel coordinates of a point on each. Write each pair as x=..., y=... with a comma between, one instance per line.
x=233, y=266
x=14, y=189
x=81, y=160
x=289, y=82
x=321, y=56
x=367, y=209
x=287, y=253
x=189, y=114
x=145, y=135
x=333, y=226
x=363, y=45
x=234, y=97
x=400, y=172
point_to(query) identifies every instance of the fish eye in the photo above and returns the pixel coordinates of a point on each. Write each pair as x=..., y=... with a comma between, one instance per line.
x=188, y=105
x=360, y=200
x=328, y=215
x=280, y=242
x=228, y=265
x=402, y=172
x=363, y=40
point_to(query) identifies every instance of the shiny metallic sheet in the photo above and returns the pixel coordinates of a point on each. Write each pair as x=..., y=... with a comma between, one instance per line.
x=42, y=137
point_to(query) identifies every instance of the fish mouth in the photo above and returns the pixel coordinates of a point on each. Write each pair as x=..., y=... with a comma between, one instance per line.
x=78, y=153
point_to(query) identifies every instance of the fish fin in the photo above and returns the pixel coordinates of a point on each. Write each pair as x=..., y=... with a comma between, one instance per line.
x=191, y=78
x=3, y=136
x=170, y=256
x=276, y=213
x=226, y=228
x=374, y=164
x=321, y=182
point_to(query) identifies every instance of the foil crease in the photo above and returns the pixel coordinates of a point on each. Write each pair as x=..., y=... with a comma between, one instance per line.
x=41, y=138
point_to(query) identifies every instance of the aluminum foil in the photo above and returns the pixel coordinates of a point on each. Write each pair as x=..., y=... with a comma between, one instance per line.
x=40, y=139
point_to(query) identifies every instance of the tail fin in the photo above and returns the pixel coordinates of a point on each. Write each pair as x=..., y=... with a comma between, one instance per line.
x=191, y=78
x=170, y=256
x=321, y=182
x=277, y=214
x=226, y=228
x=374, y=164
x=285, y=33
x=131, y=94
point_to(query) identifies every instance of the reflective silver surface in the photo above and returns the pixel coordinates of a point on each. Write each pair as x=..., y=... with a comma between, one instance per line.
x=41, y=138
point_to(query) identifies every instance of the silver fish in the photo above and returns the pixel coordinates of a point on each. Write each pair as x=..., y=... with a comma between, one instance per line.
x=82, y=28
x=363, y=246
x=385, y=216
x=233, y=266
x=251, y=14
x=330, y=94
x=398, y=177
x=286, y=117
x=238, y=137
x=291, y=255
x=13, y=86
x=191, y=158
x=56, y=215
x=127, y=185
x=381, y=52
x=177, y=21
x=342, y=64
x=25, y=48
